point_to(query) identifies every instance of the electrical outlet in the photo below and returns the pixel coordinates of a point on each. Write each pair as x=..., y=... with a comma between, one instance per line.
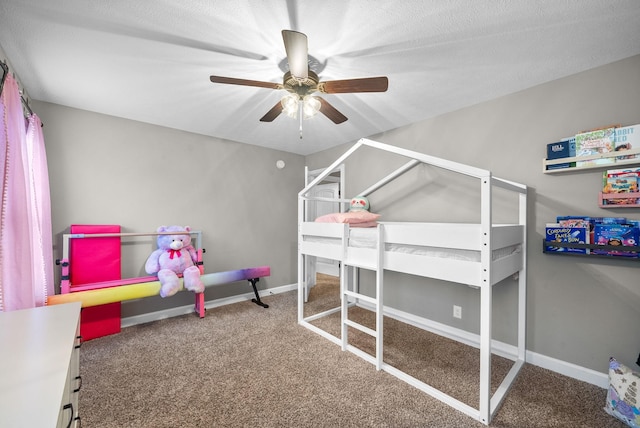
x=457, y=312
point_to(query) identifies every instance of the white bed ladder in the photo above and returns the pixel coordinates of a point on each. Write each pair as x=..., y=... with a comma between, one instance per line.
x=348, y=296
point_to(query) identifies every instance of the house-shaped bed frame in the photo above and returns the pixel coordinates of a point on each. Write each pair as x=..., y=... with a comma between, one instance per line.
x=500, y=253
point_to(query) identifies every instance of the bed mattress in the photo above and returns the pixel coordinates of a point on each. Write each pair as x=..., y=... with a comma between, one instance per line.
x=367, y=238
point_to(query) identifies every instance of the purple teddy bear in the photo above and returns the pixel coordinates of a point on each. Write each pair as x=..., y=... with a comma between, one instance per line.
x=175, y=255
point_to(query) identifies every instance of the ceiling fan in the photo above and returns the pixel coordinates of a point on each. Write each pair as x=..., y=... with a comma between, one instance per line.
x=300, y=82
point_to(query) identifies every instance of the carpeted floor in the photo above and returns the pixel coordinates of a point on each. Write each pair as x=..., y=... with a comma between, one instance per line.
x=245, y=366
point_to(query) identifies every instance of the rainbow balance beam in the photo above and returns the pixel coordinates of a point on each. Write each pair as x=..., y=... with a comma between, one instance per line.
x=120, y=293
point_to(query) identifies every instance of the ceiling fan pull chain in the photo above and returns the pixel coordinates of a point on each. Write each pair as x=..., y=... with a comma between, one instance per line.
x=300, y=116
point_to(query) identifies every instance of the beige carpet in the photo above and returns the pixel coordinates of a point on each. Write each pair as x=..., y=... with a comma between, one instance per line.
x=245, y=366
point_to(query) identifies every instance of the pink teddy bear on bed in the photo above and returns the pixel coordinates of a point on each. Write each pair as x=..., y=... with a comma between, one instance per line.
x=175, y=255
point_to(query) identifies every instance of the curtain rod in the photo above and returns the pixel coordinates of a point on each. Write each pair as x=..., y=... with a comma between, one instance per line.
x=25, y=99
x=25, y=104
x=5, y=72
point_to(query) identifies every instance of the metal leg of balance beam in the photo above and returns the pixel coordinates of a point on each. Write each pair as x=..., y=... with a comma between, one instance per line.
x=257, y=300
x=200, y=308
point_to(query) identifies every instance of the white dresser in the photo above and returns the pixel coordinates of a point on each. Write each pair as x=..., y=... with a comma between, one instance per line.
x=39, y=367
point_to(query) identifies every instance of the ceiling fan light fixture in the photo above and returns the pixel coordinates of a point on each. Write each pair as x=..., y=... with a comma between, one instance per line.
x=311, y=106
x=290, y=105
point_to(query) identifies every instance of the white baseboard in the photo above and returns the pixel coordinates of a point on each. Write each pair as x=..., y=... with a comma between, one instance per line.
x=568, y=369
x=499, y=348
x=187, y=309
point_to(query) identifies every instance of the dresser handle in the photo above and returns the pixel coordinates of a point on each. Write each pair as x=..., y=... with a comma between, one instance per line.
x=79, y=338
x=79, y=379
x=69, y=406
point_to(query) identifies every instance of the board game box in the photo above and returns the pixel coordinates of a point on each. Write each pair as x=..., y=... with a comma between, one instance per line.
x=616, y=235
x=572, y=235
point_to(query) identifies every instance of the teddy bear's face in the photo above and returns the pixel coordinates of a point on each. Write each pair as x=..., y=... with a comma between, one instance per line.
x=173, y=242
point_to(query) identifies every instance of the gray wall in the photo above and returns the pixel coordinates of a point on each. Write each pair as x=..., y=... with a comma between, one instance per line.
x=106, y=170
x=580, y=310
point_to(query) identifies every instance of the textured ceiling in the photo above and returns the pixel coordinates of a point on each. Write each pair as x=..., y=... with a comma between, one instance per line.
x=150, y=60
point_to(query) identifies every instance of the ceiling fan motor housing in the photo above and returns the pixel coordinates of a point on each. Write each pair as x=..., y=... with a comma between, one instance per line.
x=301, y=87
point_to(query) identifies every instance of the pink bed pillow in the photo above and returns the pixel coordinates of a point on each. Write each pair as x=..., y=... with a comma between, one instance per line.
x=353, y=218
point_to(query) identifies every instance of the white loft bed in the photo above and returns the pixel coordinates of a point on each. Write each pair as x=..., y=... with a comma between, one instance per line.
x=479, y=255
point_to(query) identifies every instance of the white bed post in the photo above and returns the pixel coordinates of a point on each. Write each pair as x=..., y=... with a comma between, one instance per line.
x=485, y=300
x=522, y=282
x=344, y=287
x=344, y=307
x=379, y=297
x=301, y=257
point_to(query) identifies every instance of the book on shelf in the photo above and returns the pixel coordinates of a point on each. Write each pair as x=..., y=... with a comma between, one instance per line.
x=623, y=172
x=593, y=143
x=621, y=185
x=627, y=138
x=565, y=148
x=617, y=181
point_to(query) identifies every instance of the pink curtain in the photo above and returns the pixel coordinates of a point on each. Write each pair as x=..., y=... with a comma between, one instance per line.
x=26, y=251
x=41, y=230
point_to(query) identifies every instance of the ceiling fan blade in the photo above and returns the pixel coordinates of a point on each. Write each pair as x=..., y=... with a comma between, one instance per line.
x=244, y=82
x=367, y=84
x=273, y=113
x=295, y=44
x=331, y=112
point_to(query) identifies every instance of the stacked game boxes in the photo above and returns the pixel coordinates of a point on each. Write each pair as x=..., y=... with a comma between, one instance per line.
x=620, y=181
x=609, y=231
